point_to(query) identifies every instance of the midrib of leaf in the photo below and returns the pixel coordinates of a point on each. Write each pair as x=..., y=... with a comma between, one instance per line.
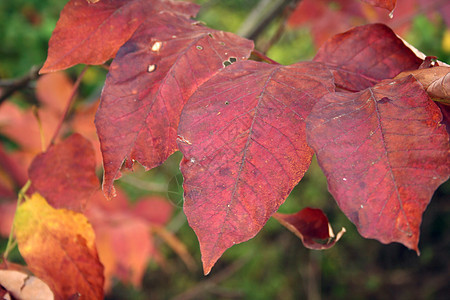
x=244, y=156
x=386, y=154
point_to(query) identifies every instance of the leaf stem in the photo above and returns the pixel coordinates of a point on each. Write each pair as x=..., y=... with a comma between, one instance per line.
x=11, y=241
x=263, y=57
x=41, y=130
x=69, y=104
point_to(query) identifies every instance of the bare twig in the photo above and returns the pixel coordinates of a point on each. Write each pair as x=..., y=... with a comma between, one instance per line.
x=12, y=85
x=287, y=11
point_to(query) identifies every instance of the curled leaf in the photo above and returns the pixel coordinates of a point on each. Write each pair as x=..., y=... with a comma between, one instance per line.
x=23, y=286
x=311, y=226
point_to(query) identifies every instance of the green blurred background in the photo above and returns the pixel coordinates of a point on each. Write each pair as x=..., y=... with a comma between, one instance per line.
x=273, y=265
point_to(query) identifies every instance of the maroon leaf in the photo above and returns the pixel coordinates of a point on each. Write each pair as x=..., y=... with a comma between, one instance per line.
x=65, y=173
x=149, y=81
x=242, y=136
x=384, y=153
x=365, y=55
x=91, y=33
x=311, y=226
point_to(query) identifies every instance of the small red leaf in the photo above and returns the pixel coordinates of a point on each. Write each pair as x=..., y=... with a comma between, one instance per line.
x=365, y=55
x=311, y=226
x=242, y=136
x=387, y=4
x=65, y=174
x=384, y=153
x=149, y=81
x=92, y=33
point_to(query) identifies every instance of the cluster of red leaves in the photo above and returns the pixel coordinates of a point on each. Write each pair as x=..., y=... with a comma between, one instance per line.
x=248, y=129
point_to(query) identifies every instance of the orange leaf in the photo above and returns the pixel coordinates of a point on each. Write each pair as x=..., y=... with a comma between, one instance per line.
x=56, y=242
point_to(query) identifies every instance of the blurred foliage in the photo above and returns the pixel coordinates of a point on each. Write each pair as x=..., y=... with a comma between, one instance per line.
x=273, y=265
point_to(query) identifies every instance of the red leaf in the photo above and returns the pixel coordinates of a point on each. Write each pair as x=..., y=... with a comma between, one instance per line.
x=149, y=81
x=242, y=136
x=365, y=55
x=324, y=20
x=387, y=4
x=65, y=174
x=92, y=33
x=384, y=153
x=310, y=225
x=123, y=236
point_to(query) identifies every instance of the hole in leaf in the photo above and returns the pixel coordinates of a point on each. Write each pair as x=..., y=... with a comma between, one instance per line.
x=226, y=63
x=151, y=68
x=384, y=100
x=199, y=47
x=210, y=35
x=232, y=59
x=156, y=46
x=226, y=102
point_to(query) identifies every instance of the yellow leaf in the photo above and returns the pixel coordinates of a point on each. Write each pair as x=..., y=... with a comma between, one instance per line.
x=59, y=247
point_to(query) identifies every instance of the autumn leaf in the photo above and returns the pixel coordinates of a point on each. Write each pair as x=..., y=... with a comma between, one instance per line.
x=123, y=234
x=92, y=33
x=243, y=141
x=54, y=90
x=435, y=80
x=20, y=285
x=311, y=226
x=65, y=173
x=384, y=153
x=387, y=4
x=58, y=246
x=365, y=55
x=22, y=127
x=149, y=81
x=325, y=18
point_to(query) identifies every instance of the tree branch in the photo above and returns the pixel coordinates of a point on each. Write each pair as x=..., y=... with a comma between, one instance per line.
x=11, y=86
